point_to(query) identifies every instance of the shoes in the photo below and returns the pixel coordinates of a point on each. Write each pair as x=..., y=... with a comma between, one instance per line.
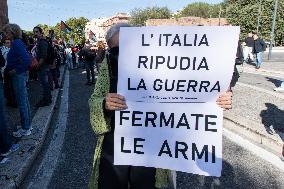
x=13, y=148
x=19, y=127
x=22, y=132
x=4, y=160
x=43, y=103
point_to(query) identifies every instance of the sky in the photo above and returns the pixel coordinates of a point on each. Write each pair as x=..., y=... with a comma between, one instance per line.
x=29, y=13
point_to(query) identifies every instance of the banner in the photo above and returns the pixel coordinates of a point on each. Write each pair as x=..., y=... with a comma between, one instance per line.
x=171, y=78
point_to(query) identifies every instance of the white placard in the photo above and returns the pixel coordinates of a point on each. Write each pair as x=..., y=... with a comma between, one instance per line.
x=173, y=73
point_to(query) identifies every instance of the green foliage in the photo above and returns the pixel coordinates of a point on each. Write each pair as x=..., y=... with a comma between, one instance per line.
x=200, y=9
x=244, y=13
x=44, y=27
x=139, y=16
x=77, y=26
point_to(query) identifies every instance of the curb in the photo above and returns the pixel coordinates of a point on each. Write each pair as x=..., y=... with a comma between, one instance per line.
x=271, y=143
x=14, y=172
x=262, y=71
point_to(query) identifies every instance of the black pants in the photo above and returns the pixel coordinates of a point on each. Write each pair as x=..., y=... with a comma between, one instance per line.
x=121, y=176
x=90, y=71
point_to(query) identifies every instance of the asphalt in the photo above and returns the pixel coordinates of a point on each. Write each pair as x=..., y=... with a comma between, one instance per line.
x=258, y=113
x=251, y=126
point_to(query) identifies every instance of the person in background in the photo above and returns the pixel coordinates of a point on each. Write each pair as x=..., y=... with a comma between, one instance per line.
x=58, y=60
x=52, y=74
x=88, y=56
x=101, y=52
x=6, y=146
x=258, y=48
x=68, y=54
x=33, y=69
x=74, y=51
x=43, y=67
x=248, y=48
x=18, y=62
x=103, y=104
x=8, y=85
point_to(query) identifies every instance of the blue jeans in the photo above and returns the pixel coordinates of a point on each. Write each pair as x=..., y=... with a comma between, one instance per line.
x=20, y=88
x=43, y=78
x=258, y=59
x=5, y=138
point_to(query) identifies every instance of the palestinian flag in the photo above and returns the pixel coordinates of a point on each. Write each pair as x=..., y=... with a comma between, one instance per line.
x=64, y=27
x=92, y=36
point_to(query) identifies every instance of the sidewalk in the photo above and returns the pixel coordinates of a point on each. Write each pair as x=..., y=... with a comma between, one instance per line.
x=274, y=67
x=15, y=169
x=258, y=113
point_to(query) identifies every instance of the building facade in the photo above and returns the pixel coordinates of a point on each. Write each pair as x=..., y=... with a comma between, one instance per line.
x=95, y=26
x=100, y=26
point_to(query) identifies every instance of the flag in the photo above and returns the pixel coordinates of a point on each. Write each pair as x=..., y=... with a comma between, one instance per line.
x=64, y=27
x=92, y=36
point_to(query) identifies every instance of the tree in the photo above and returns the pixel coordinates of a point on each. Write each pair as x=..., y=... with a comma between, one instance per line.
x=201, y=9
x=3, y=13
x=140, y=16
x=244, y=13
x=77, y=26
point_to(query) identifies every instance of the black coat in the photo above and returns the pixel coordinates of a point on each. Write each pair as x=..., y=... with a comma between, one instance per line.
x=259, y=45
x=2, y=63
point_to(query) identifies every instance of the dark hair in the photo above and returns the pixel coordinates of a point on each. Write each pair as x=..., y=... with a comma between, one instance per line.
x=25, y=39
x=39, y=29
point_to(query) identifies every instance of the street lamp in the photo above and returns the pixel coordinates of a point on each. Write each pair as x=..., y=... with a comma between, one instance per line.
x=258, y=16
x=273, y=28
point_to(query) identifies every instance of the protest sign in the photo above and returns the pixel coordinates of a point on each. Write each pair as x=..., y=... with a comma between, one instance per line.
x=171, y=78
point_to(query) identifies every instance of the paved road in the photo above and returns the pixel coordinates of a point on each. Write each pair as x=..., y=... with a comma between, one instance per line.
x=257, y=101
x=275, y=56
x=241, y=169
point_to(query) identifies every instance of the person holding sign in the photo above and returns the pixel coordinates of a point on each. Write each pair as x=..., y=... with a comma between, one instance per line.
x=103, y=103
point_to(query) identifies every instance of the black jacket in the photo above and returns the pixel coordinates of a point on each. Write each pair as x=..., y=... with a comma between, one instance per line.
x=2, y=63
x=249, y=41
x=259, y=45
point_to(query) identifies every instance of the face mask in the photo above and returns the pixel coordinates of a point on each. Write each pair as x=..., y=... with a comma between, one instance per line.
x=113, y=61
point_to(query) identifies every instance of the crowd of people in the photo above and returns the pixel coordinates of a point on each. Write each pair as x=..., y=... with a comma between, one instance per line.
x=24, y=59
x=41, y=57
